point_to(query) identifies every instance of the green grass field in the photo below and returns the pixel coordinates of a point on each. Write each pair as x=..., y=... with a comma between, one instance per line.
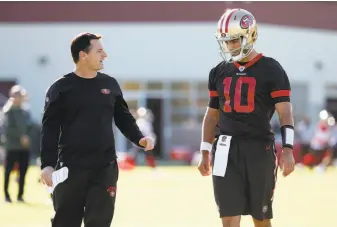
x=180, y=197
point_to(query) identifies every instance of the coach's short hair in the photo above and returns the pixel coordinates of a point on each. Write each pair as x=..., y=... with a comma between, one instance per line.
x=82, y=43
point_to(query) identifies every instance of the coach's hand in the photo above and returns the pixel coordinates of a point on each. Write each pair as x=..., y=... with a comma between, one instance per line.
x=147, y=143
x=46, y=176
x=287, y=161
x=205, y=163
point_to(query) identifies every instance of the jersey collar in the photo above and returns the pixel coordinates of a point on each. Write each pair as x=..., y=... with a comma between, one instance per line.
x=250, y=63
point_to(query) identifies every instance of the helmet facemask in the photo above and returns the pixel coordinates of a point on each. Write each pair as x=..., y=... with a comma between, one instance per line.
x=237, y=54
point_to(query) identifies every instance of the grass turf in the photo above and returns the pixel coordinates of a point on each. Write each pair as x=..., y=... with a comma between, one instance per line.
x=180, y=197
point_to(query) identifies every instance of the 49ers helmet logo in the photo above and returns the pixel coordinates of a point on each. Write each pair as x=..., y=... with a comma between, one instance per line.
x=246, y=21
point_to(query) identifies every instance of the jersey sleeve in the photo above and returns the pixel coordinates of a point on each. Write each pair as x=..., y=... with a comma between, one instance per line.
x=280, y=85
x=213, y=94
x=124, y=120
x=51, y=123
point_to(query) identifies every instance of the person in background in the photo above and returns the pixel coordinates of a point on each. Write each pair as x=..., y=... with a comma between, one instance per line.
x=16, y=140
x=322, y=143
x=327, y=158
x=144, y=119
x=304, y=133
x=333, y=151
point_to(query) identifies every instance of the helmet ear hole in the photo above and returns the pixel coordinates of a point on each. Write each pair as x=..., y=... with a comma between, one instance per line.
x=254, y=36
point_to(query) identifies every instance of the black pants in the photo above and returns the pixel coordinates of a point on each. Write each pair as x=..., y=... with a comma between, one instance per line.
x=249, y=182
x=22, y=158
x=88, y=195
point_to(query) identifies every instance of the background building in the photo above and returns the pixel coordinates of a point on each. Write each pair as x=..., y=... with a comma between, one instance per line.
x=161, y=54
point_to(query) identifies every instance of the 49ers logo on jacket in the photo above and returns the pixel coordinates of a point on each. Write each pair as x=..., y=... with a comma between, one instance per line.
x=246, y=21
x=112, y=191
x=105, y=91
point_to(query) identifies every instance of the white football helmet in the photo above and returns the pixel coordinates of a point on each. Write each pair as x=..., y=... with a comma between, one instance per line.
x=236, y=24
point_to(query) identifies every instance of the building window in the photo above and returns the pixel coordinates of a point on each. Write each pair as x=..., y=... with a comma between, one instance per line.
x=180, y=103
x=131, y=86
x=180, y=86
x=202, y=86
x=180, y=118
x=202, y=102
x=132, y=104
x=155, y=86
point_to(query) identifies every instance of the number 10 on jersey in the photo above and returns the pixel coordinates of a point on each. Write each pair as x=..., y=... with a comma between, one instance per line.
x=238, y=107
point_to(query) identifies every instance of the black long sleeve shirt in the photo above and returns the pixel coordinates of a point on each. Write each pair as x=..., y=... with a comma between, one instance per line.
x=77, y=122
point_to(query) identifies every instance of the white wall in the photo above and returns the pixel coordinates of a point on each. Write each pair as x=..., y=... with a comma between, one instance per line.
x=172, y=51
